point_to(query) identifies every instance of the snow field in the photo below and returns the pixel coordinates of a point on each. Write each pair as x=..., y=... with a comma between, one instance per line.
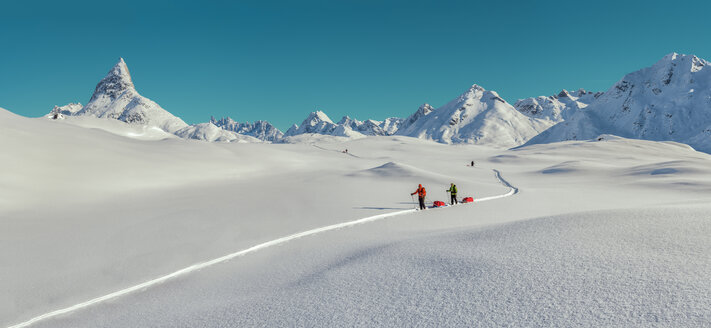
x=601, y=233
x=603, y=268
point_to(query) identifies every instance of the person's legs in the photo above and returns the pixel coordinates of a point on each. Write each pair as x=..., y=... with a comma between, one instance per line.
x=422, y=203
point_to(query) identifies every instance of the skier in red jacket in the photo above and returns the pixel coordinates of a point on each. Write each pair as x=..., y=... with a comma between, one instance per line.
x=421, y=193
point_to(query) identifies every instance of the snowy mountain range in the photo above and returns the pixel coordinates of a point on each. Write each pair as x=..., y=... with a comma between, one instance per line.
x=261, y=130
x=669, y=101
x=212, y=133
x=557, y=107
x=319, y=123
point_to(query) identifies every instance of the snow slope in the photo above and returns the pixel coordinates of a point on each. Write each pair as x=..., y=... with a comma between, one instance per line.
x=612, y=268
x=667, y=101
x=477, y=116
x=602, y=233
x=135, y=131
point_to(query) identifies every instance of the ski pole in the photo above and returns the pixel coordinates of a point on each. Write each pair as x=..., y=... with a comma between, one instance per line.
x=413, y=201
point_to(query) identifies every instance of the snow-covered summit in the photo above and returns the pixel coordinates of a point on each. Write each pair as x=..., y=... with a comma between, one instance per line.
x=115, y=97
x=557, y=107
x=116, y=82
x=667, y=101
x=316, y=122
x=476, y=116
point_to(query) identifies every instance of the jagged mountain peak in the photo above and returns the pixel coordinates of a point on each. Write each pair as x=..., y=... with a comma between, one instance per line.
x=474, y=92
x=681, y=62
x=581, y=92
x=115, y=97
x=425, y=109
x=116, y=81
x=316, y=122
x=476, y=88
x=318, y=116
x=557, y=107
x=347, y=120
x=261, y=130
x=477, y=93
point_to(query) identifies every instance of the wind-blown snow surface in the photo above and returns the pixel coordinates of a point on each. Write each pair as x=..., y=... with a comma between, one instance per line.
x=608, y=233
x=670, y=100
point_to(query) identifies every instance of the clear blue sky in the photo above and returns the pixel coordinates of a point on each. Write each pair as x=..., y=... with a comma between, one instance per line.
x=280, y=60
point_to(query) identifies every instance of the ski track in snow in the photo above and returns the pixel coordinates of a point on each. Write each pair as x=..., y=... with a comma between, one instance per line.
x=513, y=190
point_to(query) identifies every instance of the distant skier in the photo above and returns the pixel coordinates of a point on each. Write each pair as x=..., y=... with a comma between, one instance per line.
x=421, y=193
x=453, y=193
x=472, y=163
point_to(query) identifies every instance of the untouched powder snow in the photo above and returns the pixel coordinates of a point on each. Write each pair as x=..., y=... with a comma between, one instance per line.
x=228, y=257
x=609, y=268
x=612, y=232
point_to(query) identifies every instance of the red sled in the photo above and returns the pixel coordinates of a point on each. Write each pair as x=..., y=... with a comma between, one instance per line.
x=438, y=203
x=467, y=200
